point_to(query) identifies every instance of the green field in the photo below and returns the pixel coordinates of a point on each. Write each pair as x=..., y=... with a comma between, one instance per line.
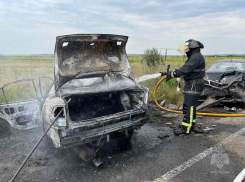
x=31, y=67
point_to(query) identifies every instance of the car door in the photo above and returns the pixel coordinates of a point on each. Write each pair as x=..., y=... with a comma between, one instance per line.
x=45, y=85
x=20, y=104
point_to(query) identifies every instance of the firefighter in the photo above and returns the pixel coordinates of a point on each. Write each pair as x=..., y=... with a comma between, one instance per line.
x=193, y=72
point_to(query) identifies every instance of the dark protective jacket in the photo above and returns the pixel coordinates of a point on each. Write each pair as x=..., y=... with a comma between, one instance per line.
x=194, y=67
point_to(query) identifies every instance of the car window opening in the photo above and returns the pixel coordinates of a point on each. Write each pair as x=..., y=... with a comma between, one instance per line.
x=9, y=110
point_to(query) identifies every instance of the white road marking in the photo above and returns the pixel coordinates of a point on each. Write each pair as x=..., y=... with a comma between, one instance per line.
x=174, y=172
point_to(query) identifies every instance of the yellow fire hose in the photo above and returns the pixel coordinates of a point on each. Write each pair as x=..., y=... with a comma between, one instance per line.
x=181, y=112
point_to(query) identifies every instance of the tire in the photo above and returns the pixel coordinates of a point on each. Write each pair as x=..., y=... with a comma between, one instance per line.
x=48, y=141
x=49, y=145
x=5, y=128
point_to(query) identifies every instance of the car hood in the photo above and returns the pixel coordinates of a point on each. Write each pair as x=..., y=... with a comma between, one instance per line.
x=82, y=55
x=225, y=77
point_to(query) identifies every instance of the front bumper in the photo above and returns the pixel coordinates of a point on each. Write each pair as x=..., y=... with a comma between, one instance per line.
x=95, y=134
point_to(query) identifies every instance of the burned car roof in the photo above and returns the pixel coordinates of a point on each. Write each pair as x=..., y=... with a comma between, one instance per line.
x=86, y=54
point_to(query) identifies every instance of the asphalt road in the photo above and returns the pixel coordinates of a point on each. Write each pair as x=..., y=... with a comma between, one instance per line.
x=153, y=153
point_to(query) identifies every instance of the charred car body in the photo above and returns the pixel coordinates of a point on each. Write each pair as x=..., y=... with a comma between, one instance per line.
x=95, y=90
x=225, y=81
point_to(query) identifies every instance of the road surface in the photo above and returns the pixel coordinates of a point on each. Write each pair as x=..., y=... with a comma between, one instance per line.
x=154, y=154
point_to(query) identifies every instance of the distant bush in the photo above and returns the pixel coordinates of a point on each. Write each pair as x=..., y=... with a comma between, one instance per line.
x=152, y=57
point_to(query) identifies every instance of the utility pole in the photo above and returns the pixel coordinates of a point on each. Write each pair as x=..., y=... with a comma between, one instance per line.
x=166, y=52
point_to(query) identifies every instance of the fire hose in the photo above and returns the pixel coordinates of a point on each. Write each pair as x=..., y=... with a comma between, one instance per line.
x=181, y=112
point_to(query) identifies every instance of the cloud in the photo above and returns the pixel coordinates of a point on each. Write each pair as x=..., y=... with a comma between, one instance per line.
x=148, y=23
x=221, y=30
x=215, y=24
x=151, y=4
x=53, y=31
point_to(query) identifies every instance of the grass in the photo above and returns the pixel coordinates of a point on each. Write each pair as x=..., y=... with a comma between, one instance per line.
x=31, y=67
x=22, y=68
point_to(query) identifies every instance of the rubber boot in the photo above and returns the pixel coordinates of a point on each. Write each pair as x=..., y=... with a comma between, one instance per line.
x=196, y=129
x=180, y=131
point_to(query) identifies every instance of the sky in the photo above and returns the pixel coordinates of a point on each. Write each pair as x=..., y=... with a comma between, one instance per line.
x=31, y=26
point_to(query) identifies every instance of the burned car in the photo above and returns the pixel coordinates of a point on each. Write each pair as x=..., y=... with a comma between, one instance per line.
x=225, y=81
x=95, y=91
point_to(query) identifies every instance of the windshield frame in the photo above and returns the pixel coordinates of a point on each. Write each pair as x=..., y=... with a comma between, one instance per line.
x=212, y=69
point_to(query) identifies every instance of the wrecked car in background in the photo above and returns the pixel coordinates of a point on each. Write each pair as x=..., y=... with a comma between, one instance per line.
x=225, y=81
x=96, y=91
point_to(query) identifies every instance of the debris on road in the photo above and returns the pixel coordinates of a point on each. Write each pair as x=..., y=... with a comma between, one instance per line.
x=162, y=103
x=200, y=117
x=208, y=103
x=169, y=115
x=172, y=106
x=163, y=136
x=199, y=125
x=233, y=109
x=229, y=109
x=207, y=129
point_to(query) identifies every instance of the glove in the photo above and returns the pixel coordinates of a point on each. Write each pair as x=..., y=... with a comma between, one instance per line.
x=171, y=74
x=163, y=73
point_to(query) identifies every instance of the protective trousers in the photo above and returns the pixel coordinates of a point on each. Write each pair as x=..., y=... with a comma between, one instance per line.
x=191, y=95
x=189, y=112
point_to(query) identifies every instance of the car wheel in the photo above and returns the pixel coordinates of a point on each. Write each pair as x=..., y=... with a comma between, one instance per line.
x=5, y=128
x=48, y=141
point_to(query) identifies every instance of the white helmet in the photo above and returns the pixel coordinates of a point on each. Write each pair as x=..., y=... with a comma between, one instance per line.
x=189, y=44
